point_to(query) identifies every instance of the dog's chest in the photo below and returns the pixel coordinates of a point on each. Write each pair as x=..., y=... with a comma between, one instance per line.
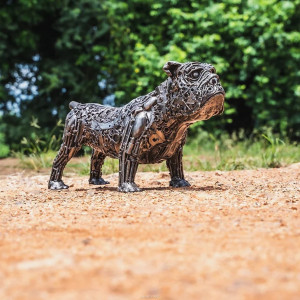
x=160, y=143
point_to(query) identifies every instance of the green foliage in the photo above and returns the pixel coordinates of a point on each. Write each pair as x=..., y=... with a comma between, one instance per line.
x=4, y=149
x=55, y=48
x=52, y=52
x=253, y=44
x=38, y=148
x=38, y=142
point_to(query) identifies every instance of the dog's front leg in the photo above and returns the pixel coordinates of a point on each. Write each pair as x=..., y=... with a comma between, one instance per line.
x=128, y=166
x=130, y=149
x=174, y=165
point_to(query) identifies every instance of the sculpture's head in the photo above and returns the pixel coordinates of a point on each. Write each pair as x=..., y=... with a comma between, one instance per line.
x=194, y=90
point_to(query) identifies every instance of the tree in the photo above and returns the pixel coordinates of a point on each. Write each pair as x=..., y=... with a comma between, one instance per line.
x=52, y=52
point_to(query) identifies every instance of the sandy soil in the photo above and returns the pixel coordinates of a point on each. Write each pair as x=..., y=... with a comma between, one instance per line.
x=232, y=235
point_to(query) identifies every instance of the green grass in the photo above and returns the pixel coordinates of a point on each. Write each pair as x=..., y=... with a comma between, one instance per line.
x=35, y=161
x=205, y=152
x=233, y=154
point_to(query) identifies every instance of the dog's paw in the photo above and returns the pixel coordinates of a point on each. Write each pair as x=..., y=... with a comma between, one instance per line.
x=57, y=185
x=98, y=181
x=128, y=187
x=178, y=182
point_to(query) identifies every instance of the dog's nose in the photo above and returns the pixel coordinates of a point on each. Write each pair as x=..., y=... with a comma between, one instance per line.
x=214, y=80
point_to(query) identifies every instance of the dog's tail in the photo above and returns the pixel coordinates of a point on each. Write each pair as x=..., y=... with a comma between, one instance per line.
x=73, y=104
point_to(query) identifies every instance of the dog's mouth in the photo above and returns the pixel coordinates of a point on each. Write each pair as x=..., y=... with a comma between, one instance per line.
x=209, y=97
x=213, y=106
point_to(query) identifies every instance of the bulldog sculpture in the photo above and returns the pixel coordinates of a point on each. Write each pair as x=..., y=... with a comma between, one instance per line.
x=147, y=130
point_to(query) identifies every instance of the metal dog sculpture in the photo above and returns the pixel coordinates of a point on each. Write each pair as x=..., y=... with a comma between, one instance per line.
x=147, y=130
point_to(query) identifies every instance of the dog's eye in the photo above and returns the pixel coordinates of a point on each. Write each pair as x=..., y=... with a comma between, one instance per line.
x=195, y=74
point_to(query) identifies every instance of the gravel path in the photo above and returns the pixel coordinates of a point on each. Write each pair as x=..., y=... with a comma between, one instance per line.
x=232, y=235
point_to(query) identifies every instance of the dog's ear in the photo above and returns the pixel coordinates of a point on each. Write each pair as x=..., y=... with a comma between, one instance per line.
x=170, y=67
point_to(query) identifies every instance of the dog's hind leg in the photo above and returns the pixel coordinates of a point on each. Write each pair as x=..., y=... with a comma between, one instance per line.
x=71, y=144
x=64, y=155
x=97, y=161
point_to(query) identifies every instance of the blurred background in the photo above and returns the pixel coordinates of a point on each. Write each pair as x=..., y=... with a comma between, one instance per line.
x=111, y=51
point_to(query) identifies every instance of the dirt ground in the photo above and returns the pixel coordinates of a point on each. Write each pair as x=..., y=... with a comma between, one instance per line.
x=232, y=235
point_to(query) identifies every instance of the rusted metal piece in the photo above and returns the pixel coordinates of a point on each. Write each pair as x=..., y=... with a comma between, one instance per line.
x=147, y=130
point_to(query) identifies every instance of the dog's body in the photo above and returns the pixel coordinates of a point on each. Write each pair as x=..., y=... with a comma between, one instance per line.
x=149, y=129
